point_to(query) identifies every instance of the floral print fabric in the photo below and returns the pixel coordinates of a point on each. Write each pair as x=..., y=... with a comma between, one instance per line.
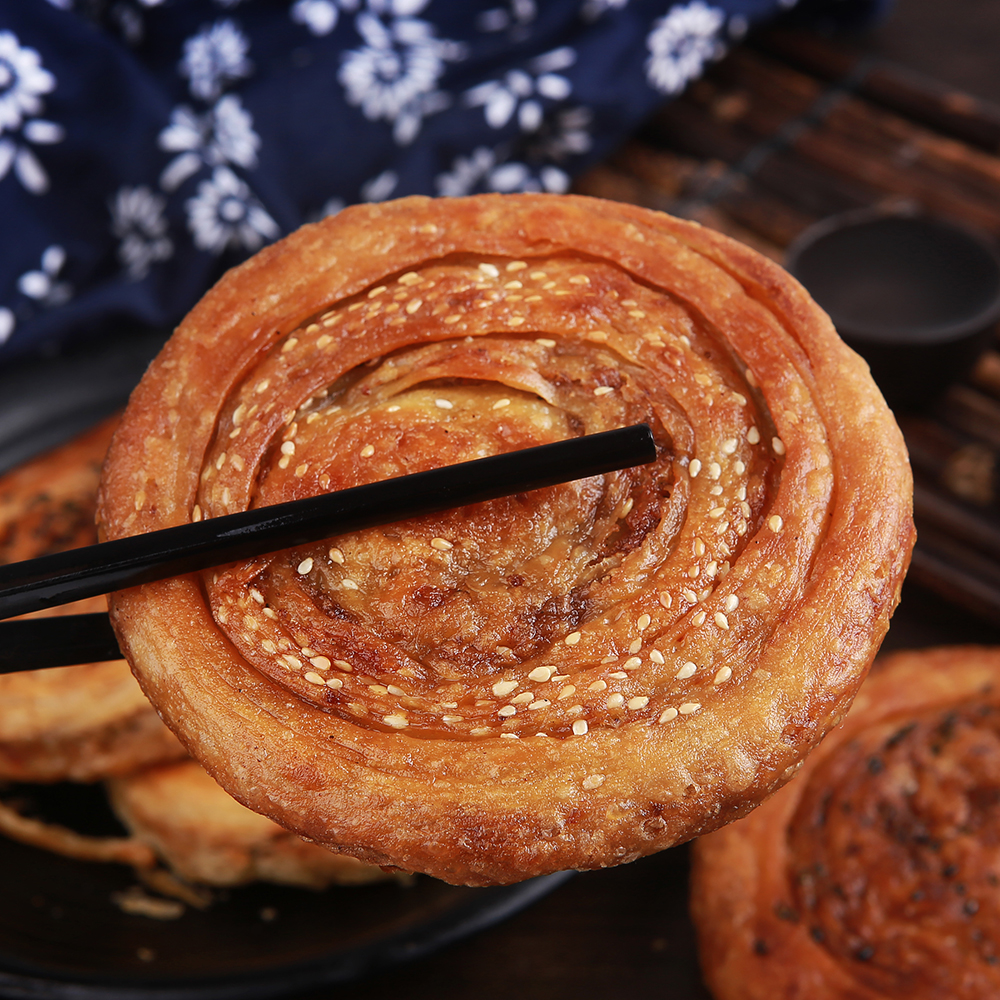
x=147, y=145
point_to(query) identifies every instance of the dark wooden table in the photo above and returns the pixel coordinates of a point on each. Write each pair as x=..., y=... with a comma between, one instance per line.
x=625, y=932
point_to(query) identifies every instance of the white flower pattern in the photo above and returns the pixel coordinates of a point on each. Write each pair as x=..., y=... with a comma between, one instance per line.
x=214, y=58
x=41, y=285
x=225, y=134
x=680, y=44
x=520, y=91
x=23, y=80
x=137, y=220
x=225, y=213
x=485, y=170
x=593, y=9
x=394, y=76
x=320, y=16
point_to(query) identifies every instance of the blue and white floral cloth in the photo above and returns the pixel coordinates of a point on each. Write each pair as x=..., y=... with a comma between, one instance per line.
x=146, y=145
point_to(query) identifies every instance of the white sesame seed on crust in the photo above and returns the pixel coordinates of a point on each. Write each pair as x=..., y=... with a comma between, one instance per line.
x=667, y=715
x=694, y=467
x=315, y=678
x=322, y=662
x=593, y=781
x=640, y=701
x=686, y=671
x=501, y=403
x=368, y=451
x=598, y=686
x=567, y=692
x=536, y=705
x=721, y=620
x=335, y=682
x=396, y=721
x=343, y=665
x=491, y=270
x=603, y=390
x=778, y=445
x=753, y=435
x=580, y=727
x=732, y=602
x=443, y=404
x=723, y=675
x=632, y=663
x=573, y=638
x=615, y=700
x=775, y=523
x=541, y=674
x=634, y=646
x=656, y=656
x=503, y=688
x=516, y=265
x=336, y=556
x=507, y=711
x=305, y=566
x=523, y=698
x=689, y=707
x=545, y=342
x=699, y=619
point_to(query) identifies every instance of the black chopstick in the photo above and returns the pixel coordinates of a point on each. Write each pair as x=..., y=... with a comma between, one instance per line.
x=127, y=562
x=38, y=643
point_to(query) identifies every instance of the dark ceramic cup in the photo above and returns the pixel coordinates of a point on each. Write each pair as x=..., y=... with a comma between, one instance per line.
x=918, y=298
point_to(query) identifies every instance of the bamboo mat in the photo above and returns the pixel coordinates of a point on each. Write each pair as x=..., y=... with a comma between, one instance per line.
x=792, y=128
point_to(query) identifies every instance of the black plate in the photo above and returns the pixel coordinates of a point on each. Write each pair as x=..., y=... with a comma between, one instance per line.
x=61, y=934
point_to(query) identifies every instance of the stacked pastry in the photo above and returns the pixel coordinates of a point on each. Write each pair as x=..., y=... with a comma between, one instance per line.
x=873, y=874
x=91, y=722
x=570, y=678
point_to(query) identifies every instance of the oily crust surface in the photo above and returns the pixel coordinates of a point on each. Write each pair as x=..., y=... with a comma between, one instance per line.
x=82, y=722
x=873, y=874
x=207, y=837
x=570, y=678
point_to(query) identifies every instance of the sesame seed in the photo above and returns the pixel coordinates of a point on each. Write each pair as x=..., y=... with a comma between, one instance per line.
x=579, y=279
x=261, y=386
x=509, y=736
x=396, y=721
x=536, y=705
x=301, y=470
x=729, y=446
x=269, y=613
x=501, y=403
x=603, y=390
x=598, y=686
x=541, y=673
x=305, y=566
x=523, y=698
x=690, y=596
x=593, y=781
x=573, y=638
x=320, y=661
x=723, y=675
x=257, y=595
x=516, y=265
x=775, y=523
x=714, y=470
x=627, y=507
x=502, y=688
x=292, y=661
x=349, y=584
x=268, y=646
x=413, y=305
x=716, y=512
x=441, y=544
x=745, y=509
x=637, y=314
x=656, y=656
x=196, y=513
x=288, y=448
x=721, y=620
x=490, y=269
x=619, y=675
x=632, y=663
x=689, y=707
x=778, y=445
x=753, y=435
x=220, y=461
x=515, y=320
x=324, y=341
x=699, y=547
x=376, y=291
x=732, y=602
x=393, y=409
x=315, y=678
x=739, y=399
x=444, y=404
x=740, y=467
x=336, y=556
x=454, y=318
x=343, y=665
x=545, y=342
x=667, y=715
x=638, y=702
x=410, y=278
x=513, y=284
x=686, y=671
x=665, y=599
x=580, y=727
x=699, y=619
x=335, y=682
x=538, y=275
x=694, y=468
x=574, y=710
x=368, y=451
x=615, y=701
x=507, y=711
x=703, y=379
x=635, y=645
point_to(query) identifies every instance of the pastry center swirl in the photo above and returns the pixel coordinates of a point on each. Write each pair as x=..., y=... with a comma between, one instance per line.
x=897, y=868
x=518, y=616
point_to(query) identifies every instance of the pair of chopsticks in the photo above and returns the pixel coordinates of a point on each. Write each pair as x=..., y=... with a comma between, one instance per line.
x=50, y=581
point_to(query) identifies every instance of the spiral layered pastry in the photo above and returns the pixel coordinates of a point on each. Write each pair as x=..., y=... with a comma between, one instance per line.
x=874, y=874
x=84, y=722
x=568, y=678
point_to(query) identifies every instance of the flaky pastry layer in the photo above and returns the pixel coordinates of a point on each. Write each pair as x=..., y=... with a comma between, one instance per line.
x=569, y=678
x=873, y=875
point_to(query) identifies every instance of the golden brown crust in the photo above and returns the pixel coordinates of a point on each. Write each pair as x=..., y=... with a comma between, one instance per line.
x=83, y=722
x=207, y=837
x=765, y=548
x=873, y=874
